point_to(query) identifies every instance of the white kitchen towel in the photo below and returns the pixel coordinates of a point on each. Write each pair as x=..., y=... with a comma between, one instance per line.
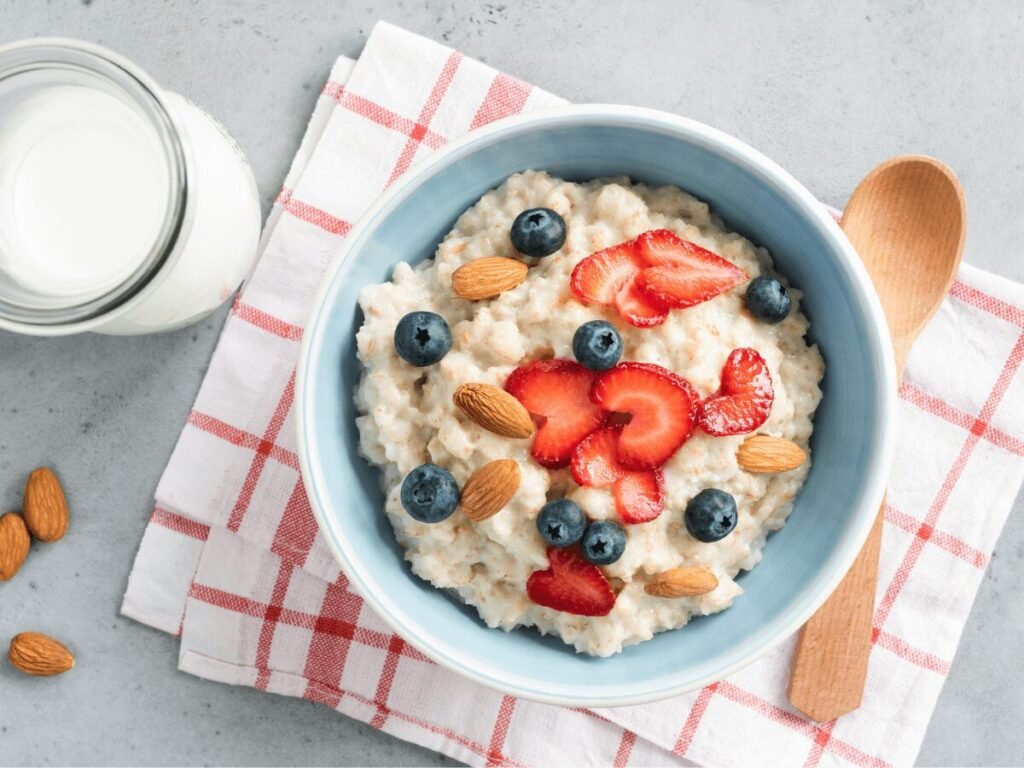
x=233, y=562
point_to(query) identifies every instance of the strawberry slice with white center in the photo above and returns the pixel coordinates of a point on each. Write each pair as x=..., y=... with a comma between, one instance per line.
x=638, y=494
x=557, y=392
x=608, y=278
x=571, y=585
x=594, y=462
x=598, y=278
x=680, y=274
x=744, y=397
x=638, y=308
x=662, y=406
x=639, y=497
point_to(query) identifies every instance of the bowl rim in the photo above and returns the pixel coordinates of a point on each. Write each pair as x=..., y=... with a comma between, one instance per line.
x=735, y=151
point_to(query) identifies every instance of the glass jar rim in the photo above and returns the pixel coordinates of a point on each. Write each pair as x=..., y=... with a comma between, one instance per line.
x=66, y=54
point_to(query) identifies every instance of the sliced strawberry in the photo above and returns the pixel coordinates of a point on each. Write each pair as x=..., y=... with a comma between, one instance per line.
x=744, y=398
x=679, y=273
x=571, y=585
x=593, y=461
x=608, y=277
x=599, y=277
x=638, y=495
x=557, y=391
x=662, y=247
x=682, y=287
x=636, y=307
x=663, y=407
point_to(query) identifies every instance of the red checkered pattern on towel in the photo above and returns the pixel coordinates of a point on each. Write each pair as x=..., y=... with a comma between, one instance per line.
x=232, y=560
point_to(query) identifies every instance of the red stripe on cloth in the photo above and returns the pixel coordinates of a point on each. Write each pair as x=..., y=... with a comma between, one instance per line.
x=291, y=617
x=944, y=410
x=624, y=750
x=387, y=678
x=500, y=731
x=700, y=706
x=297, y=529
x=625, y=744
x=357, y=634
x=341, y=581
x=322, y=694
x=312, y=215
x=259, y=460
x=910, y=559
x=506, y=96
x=821, y=740
x=241, y=438
x=956, y=546
x=952, y=544
x=433, y=101
x=374, y=112
x=180, y=524
x=796, y=723
x=269, y=627
x=325, y=694
x=976, y=298
x=226, y=600
x=766, y=708
x=328, y=651
x=265, y=321
x=907, y=652
x=332, y=90
x=591, y=713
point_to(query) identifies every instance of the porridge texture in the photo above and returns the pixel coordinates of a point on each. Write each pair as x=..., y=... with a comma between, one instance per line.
x=408, y=418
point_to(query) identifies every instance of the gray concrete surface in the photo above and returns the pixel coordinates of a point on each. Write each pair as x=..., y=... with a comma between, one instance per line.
x=826, y=89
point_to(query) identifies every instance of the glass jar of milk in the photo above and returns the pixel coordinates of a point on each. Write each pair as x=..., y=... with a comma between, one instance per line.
x=124, y=209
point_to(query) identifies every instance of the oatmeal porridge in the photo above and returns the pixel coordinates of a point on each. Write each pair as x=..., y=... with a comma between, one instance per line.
x=589, y=409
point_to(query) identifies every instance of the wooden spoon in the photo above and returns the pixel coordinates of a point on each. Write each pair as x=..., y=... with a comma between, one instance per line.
x=907, y=219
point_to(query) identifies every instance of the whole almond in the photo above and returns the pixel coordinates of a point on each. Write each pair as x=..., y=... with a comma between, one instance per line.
x=682, y=582
x=46, y=509
x=494, y=409
x=489, y=489
x=761, y=453
x=487, y=277
x=14, y=543
x=36, y=654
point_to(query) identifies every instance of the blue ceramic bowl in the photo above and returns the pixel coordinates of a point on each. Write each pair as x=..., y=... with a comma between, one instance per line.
x=852, y=441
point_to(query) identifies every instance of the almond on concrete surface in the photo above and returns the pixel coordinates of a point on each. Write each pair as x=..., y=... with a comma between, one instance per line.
x=489, y=489
x=14, y=544
x=488, y=277
x=46, y=508
x=494, y=409
x=761, y=453
x=37, y=654
x=682, y=582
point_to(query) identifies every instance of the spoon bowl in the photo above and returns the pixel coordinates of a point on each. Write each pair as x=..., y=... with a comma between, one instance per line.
x=908, y=219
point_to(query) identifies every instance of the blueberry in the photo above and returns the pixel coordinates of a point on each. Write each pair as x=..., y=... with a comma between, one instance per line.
x=538, y=232
x=597, y=345
x=561, y=523
x=430, y=493
x=604, y=542
x=710, y=515
x=768, y=300
x=422, y=338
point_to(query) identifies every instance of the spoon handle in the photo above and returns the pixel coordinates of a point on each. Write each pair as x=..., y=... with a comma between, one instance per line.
x=907, y=220
x=831, y=660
